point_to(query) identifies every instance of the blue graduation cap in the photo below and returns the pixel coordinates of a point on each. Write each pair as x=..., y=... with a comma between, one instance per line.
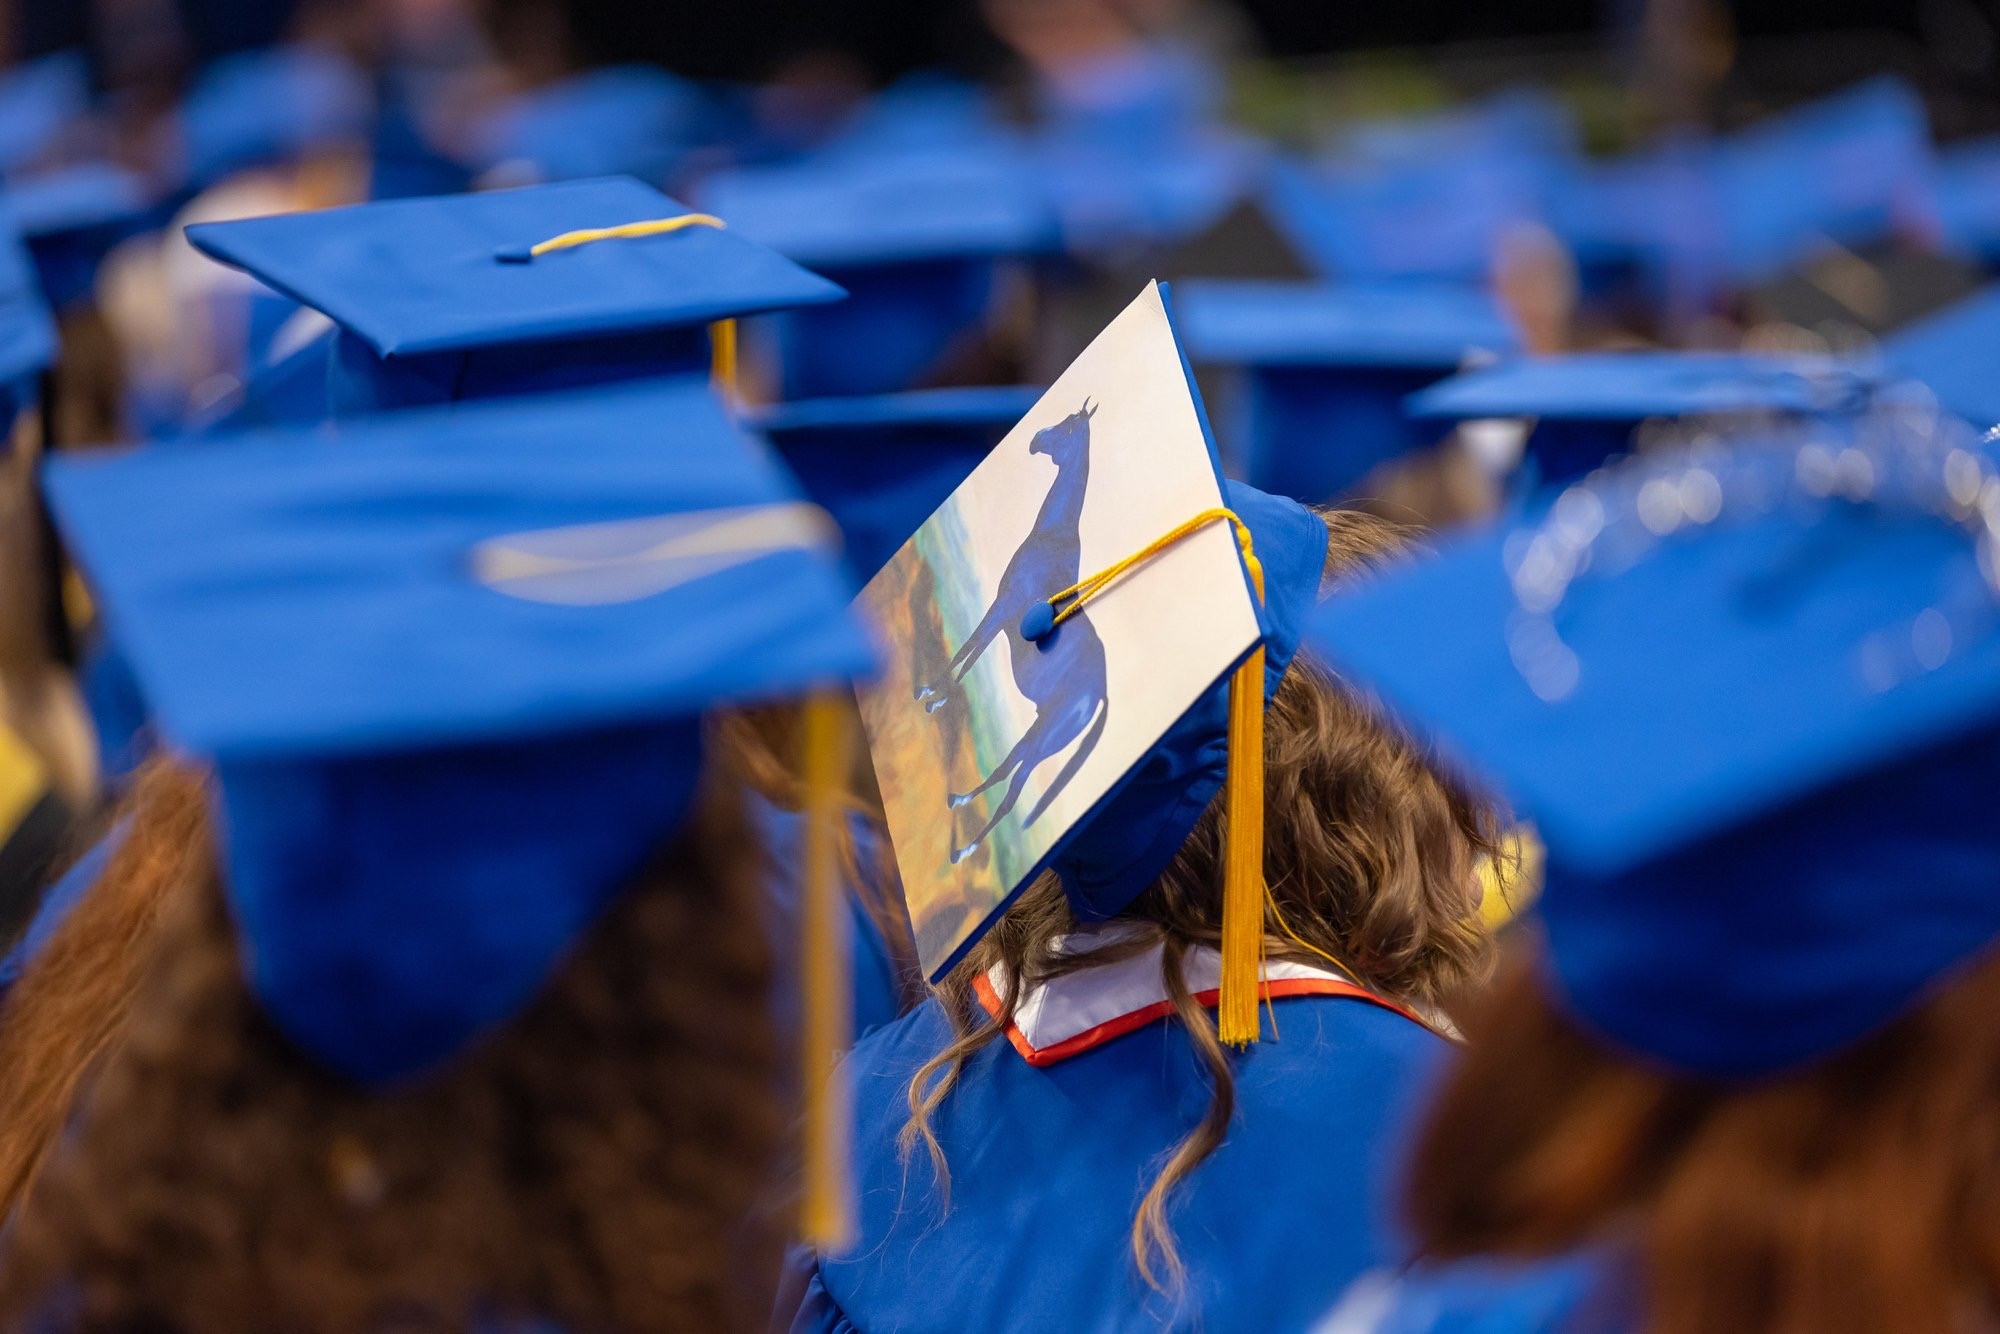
x=71, y=218
x=511, y=291
x=449, y=675
x=257, y=108
x=1966, y=189
x=1956, y=354
x=1850, y=169
x=1588, y=407
x=1324, y=370
x=882, y=465
x=27, y=332
x=38, y=102
x=918, y=240
x=621, y=120
x=1751, y=700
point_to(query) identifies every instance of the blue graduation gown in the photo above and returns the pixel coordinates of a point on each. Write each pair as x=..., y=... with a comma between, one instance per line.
x=1048, y=1165
x=1583, y=1293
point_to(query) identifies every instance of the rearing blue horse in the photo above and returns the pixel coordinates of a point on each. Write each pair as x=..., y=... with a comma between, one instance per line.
x=1061, y=674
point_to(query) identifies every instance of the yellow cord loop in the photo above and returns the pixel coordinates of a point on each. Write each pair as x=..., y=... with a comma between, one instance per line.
x=1243, y=892
x=722, y=361
x=1073, y=599
x=624, y=231
x=826, y=1220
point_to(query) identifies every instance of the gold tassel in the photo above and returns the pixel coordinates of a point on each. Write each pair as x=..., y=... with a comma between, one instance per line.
x=1243, y=857
x=722, y=362
x=827, y=1019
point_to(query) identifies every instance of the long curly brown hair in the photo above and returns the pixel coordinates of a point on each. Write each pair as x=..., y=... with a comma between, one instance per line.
x=1370, y=854
x=1859, y=1194
x=603, y=1162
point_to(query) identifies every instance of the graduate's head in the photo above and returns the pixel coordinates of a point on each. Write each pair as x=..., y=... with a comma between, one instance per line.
x=1746, y=695
x=449, y=679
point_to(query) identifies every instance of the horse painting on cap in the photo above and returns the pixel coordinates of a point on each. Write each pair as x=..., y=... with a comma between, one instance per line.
x=1060, y=673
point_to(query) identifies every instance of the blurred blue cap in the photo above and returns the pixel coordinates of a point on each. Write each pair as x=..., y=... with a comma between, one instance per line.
x=449, y=674
x=914, y=237
x=623, y=120
x=1956, y=353
x=38, y=102
x=1748, y=698
x=1848, y=170
x=1326, y=369
x=27, y=331
x=71, y=217
x=1588, y=406
x=882, y=464
x=1966, y=189
x=262, y=107
x=443, y=299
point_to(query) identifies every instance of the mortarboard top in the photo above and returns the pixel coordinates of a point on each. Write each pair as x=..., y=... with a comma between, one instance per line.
x=621, y=120
x=257, y=108
x=71, y=217
x=440, y=299
x=38, y=102
x=449, y=674
x=914, y=236
x=1326, y=369
x=1749, y=699
x=1092, y=567
x=881, y=465
x=1587, y=406
x=1956, y=355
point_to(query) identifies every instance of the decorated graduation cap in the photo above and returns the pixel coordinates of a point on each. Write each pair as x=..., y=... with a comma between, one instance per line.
x=1589, y=407
x=621, y=120
x=1956, y=354
x=881, y=465
x=1751, y=700
x=917, y=238
x=258, y=108
x=513, y=291
x=1323, y=371
x=71, y=217
x=1080, y=642
x=449, y=675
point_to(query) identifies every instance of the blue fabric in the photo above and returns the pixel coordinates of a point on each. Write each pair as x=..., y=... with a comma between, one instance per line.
x=882, y=465
x=261, y=107
x=1123, y=845
x=620, y=120
x=118, y=711
x=431, y=787
x=27, y=330
x=38, y=102
x=1954, y=354
x=71, y=218
x=914, y=237
x=1586, y=1293
x=1756, y=852
x=1966, y=185
x=1048, y=1166
x=1323, y=370
x=415, y=276
x=1588, y=406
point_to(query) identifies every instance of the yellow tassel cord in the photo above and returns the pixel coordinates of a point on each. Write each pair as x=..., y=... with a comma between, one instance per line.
x=1243, y=892
x=826, y=1220
x=625, y=231
x=722, y=362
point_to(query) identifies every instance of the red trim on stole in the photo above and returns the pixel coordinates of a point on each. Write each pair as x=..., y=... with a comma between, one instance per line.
x=1136, y=1019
